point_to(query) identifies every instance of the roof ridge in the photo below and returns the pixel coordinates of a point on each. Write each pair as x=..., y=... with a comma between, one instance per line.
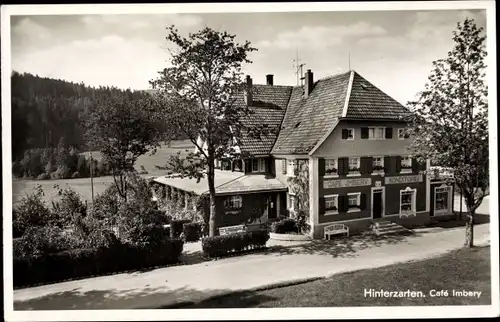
x=348, y=93
x=286, y=86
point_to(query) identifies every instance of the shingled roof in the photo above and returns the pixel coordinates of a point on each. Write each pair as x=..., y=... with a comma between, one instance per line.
x=346, y=95
x=307, y=120
x=268, y=108
x=368, y=102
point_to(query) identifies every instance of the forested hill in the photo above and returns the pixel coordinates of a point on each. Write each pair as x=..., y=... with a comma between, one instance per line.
x=46, y=111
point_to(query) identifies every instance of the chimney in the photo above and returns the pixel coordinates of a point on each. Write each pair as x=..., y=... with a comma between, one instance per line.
x=309, y=82
x=248, y=92
x=269, y=79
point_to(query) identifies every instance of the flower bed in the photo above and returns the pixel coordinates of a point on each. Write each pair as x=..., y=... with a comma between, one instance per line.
x=287, y=229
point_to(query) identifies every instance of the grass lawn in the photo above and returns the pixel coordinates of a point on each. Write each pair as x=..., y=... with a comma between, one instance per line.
x=460, y=270
x=22, y=187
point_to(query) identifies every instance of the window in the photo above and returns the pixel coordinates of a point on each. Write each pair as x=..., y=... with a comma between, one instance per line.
x=349, y=134
x=406, y=164
x=376, y=133
x=378, y=164
x=354, y=201
x=291, y=202
x=233, y=202
x=331, y=167
x=258, y=165
x=291, y=167
x=402, y=134
x=407, y=201
x=354, y=164
x=331, y=204
x=441, y=199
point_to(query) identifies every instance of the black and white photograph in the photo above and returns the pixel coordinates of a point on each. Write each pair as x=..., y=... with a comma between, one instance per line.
x=249, y=161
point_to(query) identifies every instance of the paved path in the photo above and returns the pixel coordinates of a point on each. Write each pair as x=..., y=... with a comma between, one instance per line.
x=194, y=282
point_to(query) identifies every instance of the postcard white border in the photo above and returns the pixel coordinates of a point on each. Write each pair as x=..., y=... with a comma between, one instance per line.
x=254, y=314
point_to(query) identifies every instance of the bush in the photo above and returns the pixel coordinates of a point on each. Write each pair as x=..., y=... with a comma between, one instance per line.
x=75, y=175
x=176, y=227
x=69, y=206
x=219, y=246
x=40, y=241
x=43, y=176
x=192, y=231
x=32, y=211
x=284, y=226
x=77, y=263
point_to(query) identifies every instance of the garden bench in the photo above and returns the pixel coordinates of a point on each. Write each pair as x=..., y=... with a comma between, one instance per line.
x=335, y=229
x=232, y=229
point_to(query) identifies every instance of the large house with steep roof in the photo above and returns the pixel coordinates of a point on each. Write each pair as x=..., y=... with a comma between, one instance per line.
x=351, y=137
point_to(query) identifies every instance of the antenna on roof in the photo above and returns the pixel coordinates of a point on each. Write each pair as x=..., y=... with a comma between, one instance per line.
x=299, y=67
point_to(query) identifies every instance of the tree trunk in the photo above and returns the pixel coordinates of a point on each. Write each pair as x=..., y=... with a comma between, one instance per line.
x=211, y=189
x=469, y=230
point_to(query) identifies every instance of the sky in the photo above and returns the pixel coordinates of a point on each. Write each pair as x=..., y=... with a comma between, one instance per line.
x=392, y=49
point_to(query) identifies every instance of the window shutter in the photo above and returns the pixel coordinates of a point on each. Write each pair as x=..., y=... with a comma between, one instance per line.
x=398, y=164
x=341, y=204
x=387, y=165
x=388, y=132
x=321, y=205
x=268, y=164
x=414, y=165
x=342, y=162
x=364, y=165
x=364, y=133
x=369, y=165
x=344, y=134
x=321, y=165
x=362, y=201
x=283, y=166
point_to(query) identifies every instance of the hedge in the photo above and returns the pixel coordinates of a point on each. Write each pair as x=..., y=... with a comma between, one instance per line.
x=79, y=263
x=218, y=246
x=284, y=226
x=176, y=227
x=192, y=231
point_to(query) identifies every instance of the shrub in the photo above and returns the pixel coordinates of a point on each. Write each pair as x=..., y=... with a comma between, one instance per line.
x=31, y=211
x=40, y=241
x=75, y=175
x=176, y=227
x=284, y=226
x=68, y=207
x=43, y=176
x=53, y=267
x=219, y=246
x=192, y=231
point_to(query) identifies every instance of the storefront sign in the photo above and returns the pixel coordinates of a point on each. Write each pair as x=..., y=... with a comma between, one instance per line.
x=403, y=179
x=343, y=183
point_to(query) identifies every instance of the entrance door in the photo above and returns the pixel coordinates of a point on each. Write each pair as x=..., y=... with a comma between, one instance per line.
x=377, y=204
x=271, y=207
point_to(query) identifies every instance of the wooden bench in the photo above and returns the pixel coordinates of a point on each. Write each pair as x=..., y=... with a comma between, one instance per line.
x=335, y=229
x=232, y=229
